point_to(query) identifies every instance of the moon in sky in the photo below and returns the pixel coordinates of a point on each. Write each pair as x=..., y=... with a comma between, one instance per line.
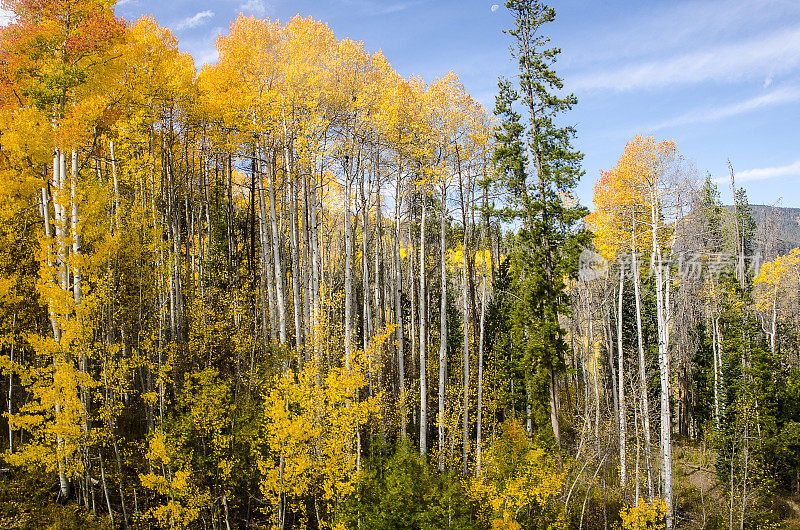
x=495, y=7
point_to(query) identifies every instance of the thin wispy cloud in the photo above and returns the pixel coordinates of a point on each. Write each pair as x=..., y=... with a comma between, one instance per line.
x=393, y=8
x=676, y=27
x=377, y=7
x=773, y=54
x=792, y=170
x=257, y=8
x=196, y=20
x=201, y=45
x=208, y=56
x=704, y=115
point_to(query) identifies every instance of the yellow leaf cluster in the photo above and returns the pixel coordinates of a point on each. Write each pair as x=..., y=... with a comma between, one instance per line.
x=644, y=516
x=623, y=196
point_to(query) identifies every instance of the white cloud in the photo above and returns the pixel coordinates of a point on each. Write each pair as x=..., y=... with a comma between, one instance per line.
x=776, y=97
x=256, y=8
x=673, y=27
x=495, y=7
x=380, y=7
x=775, y=53
x=6, y=16
x=194, y=21
x=201, y=45
x=769, y=172
x=208, y=56
x=393, y=8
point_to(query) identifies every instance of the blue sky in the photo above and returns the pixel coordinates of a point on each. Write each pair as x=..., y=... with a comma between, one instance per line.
x=721, y=78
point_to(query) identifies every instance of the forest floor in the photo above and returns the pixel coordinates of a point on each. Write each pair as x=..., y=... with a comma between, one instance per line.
x=703, y=500
x=27, y=502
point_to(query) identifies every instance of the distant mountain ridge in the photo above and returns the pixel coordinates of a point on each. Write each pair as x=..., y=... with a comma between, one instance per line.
x=781, y=219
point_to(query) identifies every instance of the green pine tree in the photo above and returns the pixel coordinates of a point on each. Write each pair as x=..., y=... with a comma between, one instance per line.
x=539, y=168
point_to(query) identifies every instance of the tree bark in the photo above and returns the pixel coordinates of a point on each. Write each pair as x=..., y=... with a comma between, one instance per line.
x=442, y=327
x=276, y=256
x=479, y=427
x=398, y=310
x=465, y=292
x=295, y=244
x=642, y=370
x=348, y=270
x=623, y=414
x=423, y=387
x=58, y=176
x=662, y=315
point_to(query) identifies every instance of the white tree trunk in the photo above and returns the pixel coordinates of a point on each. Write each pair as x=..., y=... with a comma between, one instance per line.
x=642, y=374
x=307, y=256
x=348, y=273
x=623, y=417
x=715, y=352
x=76, y=239
x=276, y=257
x=662, y=315
x=423, y=386
x=267, y=294
x=10, y=389
x=296, y=274
x=398, y=311
x=116, y=185
x=442, y=329
x=58, y=182
x=365, y=306
x=479, y=428
x=465, y=418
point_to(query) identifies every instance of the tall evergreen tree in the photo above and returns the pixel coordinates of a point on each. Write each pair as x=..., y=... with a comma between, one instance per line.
x=539, y=168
